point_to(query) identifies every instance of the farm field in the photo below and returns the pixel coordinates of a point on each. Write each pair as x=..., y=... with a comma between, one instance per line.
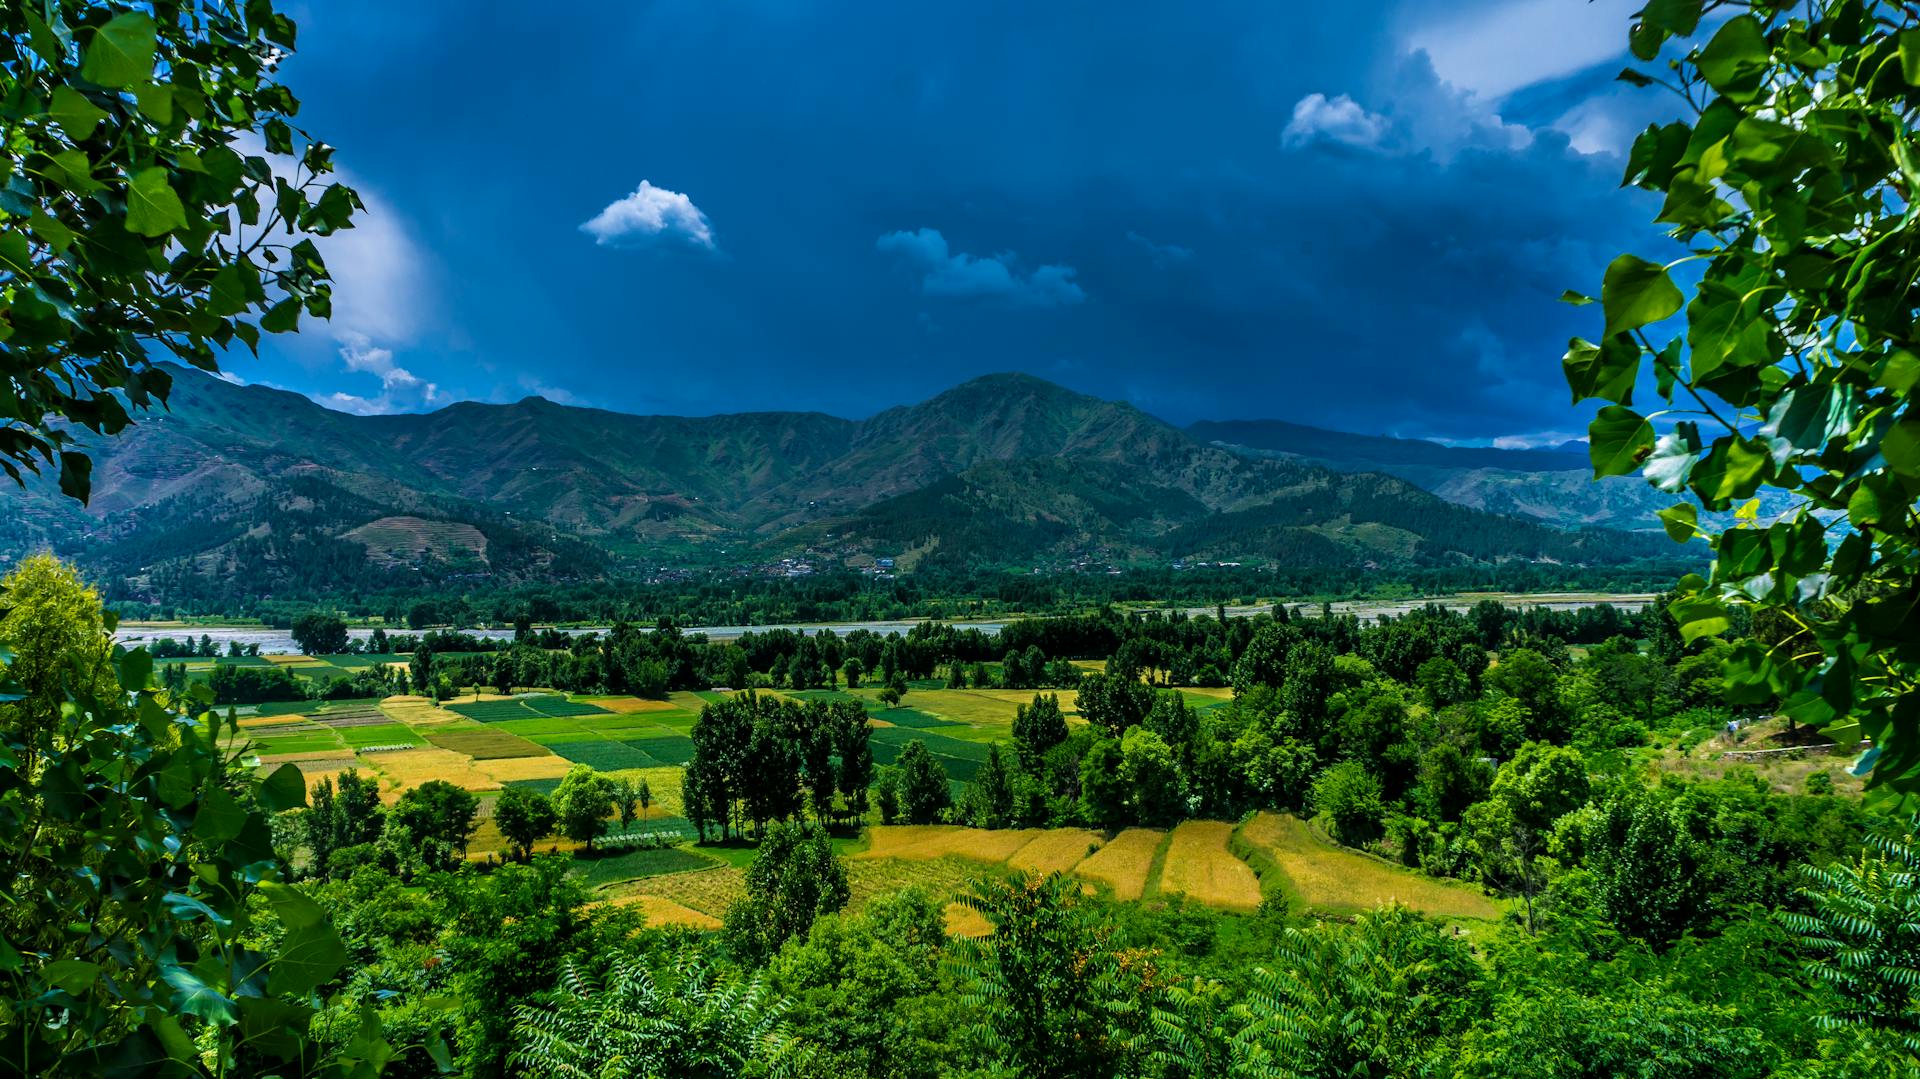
x=1200, y=866
x=488, y=741
x=1323, y=877
x=1215, y=863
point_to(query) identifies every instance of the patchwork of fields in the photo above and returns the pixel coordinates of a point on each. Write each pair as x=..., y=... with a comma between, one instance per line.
x=1211, y=862
x=479, y=743
x=489, y=740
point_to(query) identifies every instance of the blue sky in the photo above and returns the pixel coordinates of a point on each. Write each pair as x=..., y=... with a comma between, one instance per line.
x=1357, y=215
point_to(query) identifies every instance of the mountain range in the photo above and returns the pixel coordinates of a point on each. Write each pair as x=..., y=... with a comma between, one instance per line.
x=1551, y=484
x=272, y=491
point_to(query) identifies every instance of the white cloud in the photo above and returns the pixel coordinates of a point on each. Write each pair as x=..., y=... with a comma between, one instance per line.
x=1340, y=119
x=1422, y=113
x=558, y=395
x=400, y=389
x=1163, y=255
x=1491, y=50
x=650, y=213
x=381, y=282
x=1538, y=440
x=958, y=274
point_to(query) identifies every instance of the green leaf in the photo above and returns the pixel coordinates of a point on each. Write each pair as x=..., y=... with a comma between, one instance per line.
x=310, y=951
x=1679, y=17
x=195, y=997
x=1910, y=55
x=1681, y=521
x=49, y=42
x=49, y=229
x=1636, y=292
x=285, y=789
x=121, y=52
x=1699, y=616
x=74, y=112
x=153, y=209
x=1901, y=447
x=72, y=976
x=1876, y=499
x=15, y=255
x=234, y=289
x=1606, y=371
x=1618, y=439
x=221, y=817
x=136, y=669
x=1674, y=455
x=283, y=317
x=1744, y=463
x=1736, y=59
x=187, y=908
x=1901, y=373
x=155, y=101
x=76, y=475
x=76, y=171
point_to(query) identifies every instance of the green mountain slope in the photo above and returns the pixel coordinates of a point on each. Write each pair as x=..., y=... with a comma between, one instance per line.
x=267, y=492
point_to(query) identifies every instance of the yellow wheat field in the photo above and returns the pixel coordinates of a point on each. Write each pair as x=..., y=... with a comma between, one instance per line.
x=1329, y=878
x=248, y=723
x=1069, y=698
x=943, y=878
x=1123, y=864
x=964, y=921
x=663, y=789
x=508, y=769
x=419, y=712
x=978, y=708
x=406, y=768
x=926, y=842
x=289, y=661
x=315, y=769
x=630, y=705
x=709, y=891
x=661, y=911
x=1200, y=865
x=1057, y=850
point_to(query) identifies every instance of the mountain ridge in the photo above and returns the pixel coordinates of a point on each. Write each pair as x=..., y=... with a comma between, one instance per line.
x=1005, y=470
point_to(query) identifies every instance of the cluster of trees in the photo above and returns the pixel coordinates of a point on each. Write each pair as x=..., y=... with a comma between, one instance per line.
x=759, y=759
x=723, y=597
x=428, y=827
x=1654, y=928
x=1073, y=985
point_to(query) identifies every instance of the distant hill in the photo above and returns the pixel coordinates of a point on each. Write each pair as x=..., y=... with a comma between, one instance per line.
x=261, y=491
x=1384, y=451
x=1554, y=485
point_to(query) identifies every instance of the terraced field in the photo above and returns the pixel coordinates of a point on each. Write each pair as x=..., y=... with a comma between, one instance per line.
x=531, y=740
x=1212, y=862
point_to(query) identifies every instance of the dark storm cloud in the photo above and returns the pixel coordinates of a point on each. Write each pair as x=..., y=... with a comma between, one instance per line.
x=1132, y=200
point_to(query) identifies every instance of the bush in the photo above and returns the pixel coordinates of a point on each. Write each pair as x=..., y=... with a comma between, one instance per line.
x=1349, y=797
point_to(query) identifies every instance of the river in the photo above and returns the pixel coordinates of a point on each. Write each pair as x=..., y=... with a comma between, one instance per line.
x=280, y=642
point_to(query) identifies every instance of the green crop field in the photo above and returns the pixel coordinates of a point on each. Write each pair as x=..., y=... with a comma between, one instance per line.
x=493, y=711
x=961, y=759
x=486, y=744
x=384, y=734
x=561, y=706
x=905, y=716
x=606, y=755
